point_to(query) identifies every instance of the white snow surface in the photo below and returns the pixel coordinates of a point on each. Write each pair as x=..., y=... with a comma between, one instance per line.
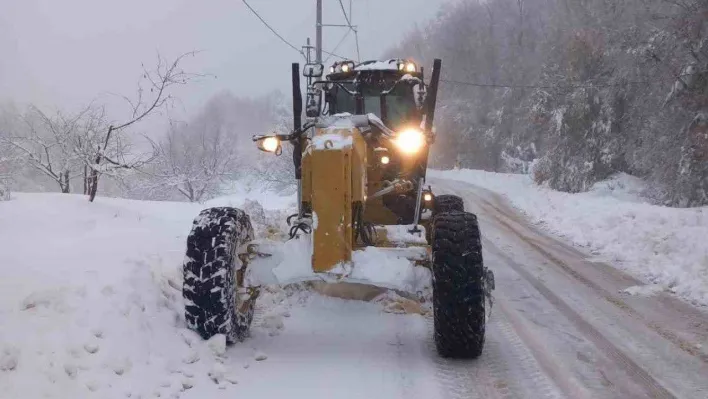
x=401, y=234
x=389, y=65
x=291, y=262
x=91, y=302
x=91, y=307
x=666, y=247
x=331, y=141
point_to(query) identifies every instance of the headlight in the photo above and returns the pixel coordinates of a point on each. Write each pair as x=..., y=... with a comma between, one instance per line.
x=410, y=141
x=271, y=144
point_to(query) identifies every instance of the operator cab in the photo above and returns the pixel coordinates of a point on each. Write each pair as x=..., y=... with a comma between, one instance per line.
x=399, y=109
x=392, y=90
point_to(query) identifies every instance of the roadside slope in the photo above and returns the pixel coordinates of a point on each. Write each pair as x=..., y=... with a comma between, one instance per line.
x=664, y=247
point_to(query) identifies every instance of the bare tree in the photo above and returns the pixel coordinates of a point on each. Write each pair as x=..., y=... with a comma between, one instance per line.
x=46, y=142
x=148, y=100
x=8, y=164
x=196, y=159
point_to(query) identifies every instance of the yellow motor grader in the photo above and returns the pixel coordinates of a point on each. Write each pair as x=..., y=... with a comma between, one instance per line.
x=364, y=213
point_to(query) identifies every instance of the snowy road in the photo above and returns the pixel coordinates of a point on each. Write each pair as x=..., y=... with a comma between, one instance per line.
x=585, y=337
x=560, y=328
x=71, y=326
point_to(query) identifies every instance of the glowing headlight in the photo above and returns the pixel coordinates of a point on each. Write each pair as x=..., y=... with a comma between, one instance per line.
x=385, y=160
x=410, y=67
x=427, y=197
x=271, y=144
x=410, y=141
x=345, y=68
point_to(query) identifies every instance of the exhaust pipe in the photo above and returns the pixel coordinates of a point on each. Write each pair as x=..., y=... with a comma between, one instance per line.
x=432, y=97
x=297, y=125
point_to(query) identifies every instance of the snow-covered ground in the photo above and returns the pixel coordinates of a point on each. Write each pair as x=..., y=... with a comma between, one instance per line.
x=91, y=303
x=666, y=247
x=91, y=307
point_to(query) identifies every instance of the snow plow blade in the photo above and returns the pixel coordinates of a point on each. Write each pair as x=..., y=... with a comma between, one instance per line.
x=404, y=269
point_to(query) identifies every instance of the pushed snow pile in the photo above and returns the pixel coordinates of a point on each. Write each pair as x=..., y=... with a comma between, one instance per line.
x=91, y=302
x=664, y=246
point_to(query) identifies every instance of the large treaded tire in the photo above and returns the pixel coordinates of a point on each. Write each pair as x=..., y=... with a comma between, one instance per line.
x=209, y=269
x=458, y=286
x=447, y=203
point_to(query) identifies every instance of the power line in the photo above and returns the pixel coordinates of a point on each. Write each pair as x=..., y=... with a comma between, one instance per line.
x=351, y=27
x=356, y=38
x=338, y=44
x=271, y=28
x=341, y=4
x=335, y=55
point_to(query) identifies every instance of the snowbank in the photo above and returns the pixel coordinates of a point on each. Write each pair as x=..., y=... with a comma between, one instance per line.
x=664, y=246
x=91, y=302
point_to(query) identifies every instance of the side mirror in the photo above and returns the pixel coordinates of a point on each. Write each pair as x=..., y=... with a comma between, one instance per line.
x=314, y=103
x=269, y=144
x=313, y=70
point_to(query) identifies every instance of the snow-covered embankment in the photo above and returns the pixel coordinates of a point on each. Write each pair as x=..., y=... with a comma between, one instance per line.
x=666, y=247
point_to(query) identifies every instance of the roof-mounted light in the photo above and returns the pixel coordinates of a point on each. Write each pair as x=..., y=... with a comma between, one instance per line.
x=342, y=67
x=407, y=66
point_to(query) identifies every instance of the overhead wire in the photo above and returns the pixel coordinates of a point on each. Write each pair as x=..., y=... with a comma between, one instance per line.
x=351, y=27
x=329, y=53
x=334, y=55
x=271, y=29
x=356, y=38
x=341, y=5
x=337, y=46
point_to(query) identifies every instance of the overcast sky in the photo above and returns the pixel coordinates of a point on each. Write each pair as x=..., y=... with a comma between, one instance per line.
x=62, y=54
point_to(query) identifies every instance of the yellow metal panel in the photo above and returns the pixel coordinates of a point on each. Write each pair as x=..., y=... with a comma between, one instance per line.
x=359, y=167
x=331, y=202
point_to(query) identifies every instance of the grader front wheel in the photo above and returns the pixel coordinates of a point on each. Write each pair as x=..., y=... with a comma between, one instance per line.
x=458, y=285
x=211, y=301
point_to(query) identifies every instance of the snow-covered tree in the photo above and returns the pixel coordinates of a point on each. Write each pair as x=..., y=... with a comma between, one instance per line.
x=197, y=158
x=584, y=89
x=47, y=143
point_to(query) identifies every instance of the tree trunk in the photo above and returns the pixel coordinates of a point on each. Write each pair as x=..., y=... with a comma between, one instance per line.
x=93, y=185
x=86, y=180
x=64, y=182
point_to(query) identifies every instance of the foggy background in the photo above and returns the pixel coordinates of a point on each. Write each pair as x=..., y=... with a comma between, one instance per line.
x=66, y=53
x=570, y=92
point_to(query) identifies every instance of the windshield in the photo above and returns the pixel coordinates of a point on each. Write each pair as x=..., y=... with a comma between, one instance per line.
x=400, y=105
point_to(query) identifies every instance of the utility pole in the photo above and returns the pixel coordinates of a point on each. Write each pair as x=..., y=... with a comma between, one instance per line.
x=318, y=36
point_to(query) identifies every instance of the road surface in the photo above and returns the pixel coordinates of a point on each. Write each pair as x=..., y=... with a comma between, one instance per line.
x=560, y=328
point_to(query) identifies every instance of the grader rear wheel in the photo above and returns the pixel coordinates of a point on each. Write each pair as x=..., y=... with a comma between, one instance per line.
x=447, y=203
x=458, y=286
x=211, y=301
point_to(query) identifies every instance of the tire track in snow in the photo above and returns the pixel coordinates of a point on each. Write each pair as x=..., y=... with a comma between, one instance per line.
x=651, y=386
x=694, y=318
x=505, y=370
